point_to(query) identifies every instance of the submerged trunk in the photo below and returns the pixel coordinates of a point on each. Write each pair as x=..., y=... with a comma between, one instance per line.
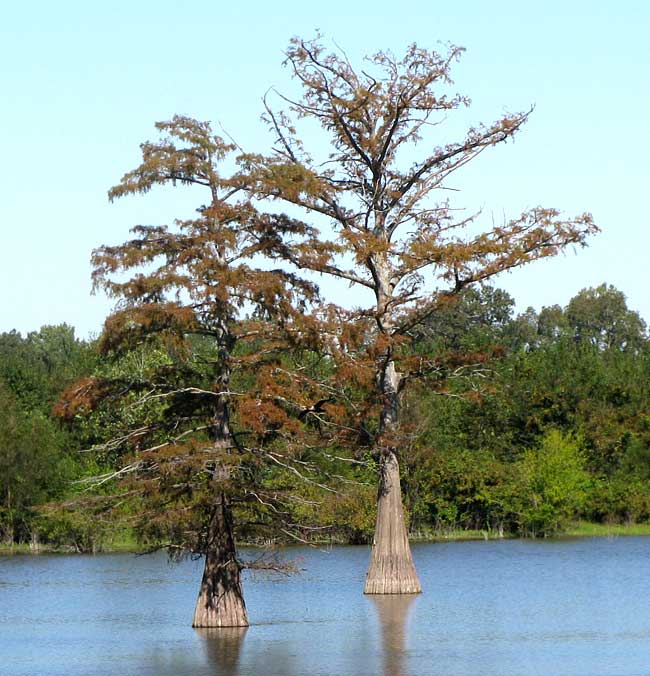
x=221, y=601
x=391, y=569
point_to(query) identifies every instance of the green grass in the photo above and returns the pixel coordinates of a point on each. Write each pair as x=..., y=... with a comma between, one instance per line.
x=580, y=529
x=122, y=541
x=125, y=541
x=586, y=529
x=455, y=534
x=14, y=549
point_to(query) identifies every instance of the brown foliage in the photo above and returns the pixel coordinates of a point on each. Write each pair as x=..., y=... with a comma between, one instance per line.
x=390, y=228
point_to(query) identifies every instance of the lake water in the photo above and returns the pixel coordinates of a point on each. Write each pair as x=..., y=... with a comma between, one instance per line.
x=507, y=608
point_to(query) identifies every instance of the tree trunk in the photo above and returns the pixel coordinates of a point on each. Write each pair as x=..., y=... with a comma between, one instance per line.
x=391, y=568
x=35, y=542
x=221, y=601
x=9, y=528
x=8, y=535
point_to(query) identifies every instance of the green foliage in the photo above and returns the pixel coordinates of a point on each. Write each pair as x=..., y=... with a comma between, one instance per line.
x=534, y=421
x=601, y=318
x=477, y=320
x=549, y=486
x=37, y=455
x=458, y=489
x=38, y=367
x=33, y=466
x=622, y=498
x=346, y=516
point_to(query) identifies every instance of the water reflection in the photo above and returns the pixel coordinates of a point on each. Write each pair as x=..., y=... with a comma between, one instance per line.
x=579, y=604
x=223, y=648
x=393, y=612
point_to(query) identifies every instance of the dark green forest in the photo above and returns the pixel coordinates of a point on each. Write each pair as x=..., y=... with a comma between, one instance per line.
x=535, y=421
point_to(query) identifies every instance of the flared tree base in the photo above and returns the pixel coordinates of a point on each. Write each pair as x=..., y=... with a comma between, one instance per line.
x=226, y=610
x=391, y=569
x=221, y=599
x=392, y=575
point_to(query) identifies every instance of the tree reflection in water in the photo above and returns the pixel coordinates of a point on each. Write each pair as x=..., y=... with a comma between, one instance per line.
x=223, y=647
x=393, y=612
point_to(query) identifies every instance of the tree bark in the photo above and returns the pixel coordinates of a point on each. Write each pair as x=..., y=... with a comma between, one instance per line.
x=9, y=528
x=221, y=600
x=391, y=569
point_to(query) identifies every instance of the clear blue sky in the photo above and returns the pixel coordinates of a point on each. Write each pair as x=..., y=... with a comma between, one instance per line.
x=82, y=84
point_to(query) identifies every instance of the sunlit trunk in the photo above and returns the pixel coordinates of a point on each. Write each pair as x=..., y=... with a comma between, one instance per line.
x=391, y=569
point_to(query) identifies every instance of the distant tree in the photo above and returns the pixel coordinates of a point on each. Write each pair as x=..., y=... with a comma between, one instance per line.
x=523, y=331
x=552, y=323
x=549, y=487
x=600, y=316
x=33, y=466
x=178, y=347
x=37, y=457
x=387, y=233
x=477, y=319
x=38, y=366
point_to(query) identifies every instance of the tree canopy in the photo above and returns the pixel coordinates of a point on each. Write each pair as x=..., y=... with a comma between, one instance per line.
x=389, y=227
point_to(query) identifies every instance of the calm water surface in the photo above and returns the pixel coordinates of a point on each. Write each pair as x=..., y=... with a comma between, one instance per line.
x=510, y=608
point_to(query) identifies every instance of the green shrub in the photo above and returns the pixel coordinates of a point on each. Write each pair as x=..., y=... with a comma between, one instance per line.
x=549, y=486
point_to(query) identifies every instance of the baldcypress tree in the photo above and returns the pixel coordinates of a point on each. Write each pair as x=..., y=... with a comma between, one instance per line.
x=389, y=229
x=194, y=403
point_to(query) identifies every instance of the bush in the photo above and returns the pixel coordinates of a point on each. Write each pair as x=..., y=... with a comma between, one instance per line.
x=549, y=486
x=622, y=498
x=456, y=489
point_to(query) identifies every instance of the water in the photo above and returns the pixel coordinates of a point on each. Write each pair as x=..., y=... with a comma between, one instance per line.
x=511, y=608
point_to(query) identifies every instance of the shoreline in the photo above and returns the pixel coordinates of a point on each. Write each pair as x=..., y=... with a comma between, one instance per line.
x=582, y=529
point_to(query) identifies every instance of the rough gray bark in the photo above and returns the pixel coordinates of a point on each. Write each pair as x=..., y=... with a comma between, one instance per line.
x=391, y=569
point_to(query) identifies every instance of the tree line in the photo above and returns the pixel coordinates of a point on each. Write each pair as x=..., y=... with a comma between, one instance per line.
x=549, y=423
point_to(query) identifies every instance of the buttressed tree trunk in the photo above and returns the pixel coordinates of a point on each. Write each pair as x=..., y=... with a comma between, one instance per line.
x=221, y=600
x=391, y=569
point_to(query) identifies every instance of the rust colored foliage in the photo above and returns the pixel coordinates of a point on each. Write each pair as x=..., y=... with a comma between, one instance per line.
x=253, y=369
x=202, y=398
x=389, y=228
